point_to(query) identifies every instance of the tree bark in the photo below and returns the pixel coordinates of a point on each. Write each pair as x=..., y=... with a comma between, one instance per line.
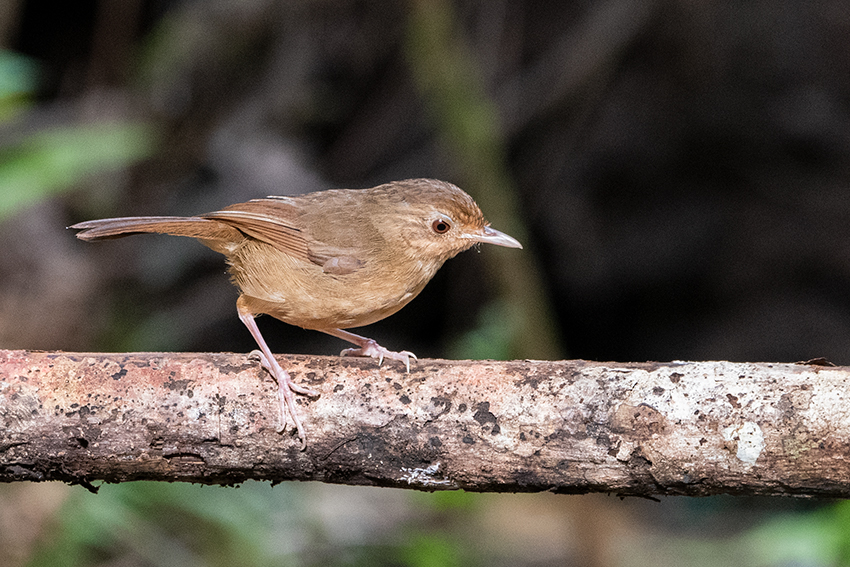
x=694, y=428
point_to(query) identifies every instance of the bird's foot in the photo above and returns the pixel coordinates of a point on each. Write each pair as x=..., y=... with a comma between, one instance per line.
x=298, y=389
x=286, y=392
x=369, y=347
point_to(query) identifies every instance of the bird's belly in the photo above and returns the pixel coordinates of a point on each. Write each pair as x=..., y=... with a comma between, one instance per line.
x=303, y=295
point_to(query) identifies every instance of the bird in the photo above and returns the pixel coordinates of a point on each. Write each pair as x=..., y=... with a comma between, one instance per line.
x=328, y=260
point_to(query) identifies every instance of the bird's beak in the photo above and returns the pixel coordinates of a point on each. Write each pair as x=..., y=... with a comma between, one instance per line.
x=493, y=236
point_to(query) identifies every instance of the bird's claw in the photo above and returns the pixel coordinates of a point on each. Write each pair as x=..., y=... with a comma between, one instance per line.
x=372, y=349
x=258, y=355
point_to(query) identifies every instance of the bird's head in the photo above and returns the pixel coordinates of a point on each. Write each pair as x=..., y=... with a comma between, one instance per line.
x=437, y=220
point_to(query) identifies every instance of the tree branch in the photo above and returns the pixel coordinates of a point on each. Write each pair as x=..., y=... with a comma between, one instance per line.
x=694, y=428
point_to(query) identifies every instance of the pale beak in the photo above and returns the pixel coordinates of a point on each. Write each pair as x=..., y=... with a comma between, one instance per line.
x=493, y=236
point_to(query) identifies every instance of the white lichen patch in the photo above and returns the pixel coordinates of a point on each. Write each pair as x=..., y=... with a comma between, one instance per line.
x=749, y=439
x=424, y=477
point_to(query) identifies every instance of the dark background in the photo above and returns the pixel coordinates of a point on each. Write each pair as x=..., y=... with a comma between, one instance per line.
x=680, y=170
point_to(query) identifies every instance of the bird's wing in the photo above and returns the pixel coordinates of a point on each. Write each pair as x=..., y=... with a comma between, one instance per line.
x=275, y=221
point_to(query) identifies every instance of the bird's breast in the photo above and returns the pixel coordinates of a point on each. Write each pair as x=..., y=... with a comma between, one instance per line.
x=304, y=294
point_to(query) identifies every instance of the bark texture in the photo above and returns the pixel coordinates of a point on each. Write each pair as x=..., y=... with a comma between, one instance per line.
x=694, y=428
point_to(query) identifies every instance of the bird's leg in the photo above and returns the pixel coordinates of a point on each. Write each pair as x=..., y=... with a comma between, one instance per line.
x=369, y=347
x=286, y=387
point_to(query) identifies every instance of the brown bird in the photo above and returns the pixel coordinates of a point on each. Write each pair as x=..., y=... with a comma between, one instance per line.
x=329, y=260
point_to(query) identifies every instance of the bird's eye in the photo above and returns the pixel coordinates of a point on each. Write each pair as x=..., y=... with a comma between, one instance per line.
x=441, y=226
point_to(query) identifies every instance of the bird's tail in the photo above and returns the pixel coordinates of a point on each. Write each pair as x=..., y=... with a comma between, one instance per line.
x=206, y=230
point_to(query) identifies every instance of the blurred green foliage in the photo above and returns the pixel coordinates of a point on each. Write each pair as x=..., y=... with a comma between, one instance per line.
x=164, y=525
x=449, y=500
x=432, y=550
x=254, y=525
x=815, y=538
x=50, y=161
x=18, y=78
x=43, y=161
x=490, y=338
x=159, y=524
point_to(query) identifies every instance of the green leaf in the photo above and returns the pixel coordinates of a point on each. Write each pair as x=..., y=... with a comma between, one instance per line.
x=50, y=161
x=18, y=79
